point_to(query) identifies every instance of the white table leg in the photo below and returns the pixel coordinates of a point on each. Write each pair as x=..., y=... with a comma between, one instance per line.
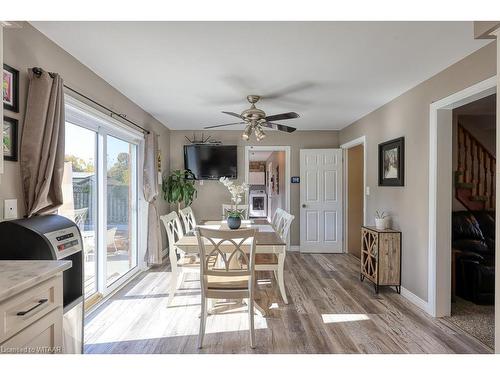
x=281, y=276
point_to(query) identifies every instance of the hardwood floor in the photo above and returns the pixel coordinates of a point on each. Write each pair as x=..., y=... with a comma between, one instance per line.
x=329, y=311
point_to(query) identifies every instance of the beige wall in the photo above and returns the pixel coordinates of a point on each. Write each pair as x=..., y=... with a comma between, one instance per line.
x=483, y=29
x=354, y=199
x=27, y=47
x=408, y=116
x=212, y=194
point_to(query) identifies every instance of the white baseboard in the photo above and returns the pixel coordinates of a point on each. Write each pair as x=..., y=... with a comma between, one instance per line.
x=294, y=248
x=416, y=300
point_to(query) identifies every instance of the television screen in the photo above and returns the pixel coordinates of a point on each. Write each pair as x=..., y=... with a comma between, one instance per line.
x=211, y=162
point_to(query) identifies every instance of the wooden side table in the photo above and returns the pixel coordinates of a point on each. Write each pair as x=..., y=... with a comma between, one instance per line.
x=381, y=257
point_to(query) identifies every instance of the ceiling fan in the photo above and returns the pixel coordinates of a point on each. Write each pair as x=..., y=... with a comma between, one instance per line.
x=256, y=119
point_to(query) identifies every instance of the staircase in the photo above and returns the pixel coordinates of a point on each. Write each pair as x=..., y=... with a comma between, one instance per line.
x=475, y=175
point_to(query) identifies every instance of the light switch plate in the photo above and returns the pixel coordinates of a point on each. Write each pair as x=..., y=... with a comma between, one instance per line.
x=367, y=190
x=10, y=209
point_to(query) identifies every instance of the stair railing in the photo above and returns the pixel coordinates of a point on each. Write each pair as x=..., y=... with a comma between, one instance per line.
x=476, y=166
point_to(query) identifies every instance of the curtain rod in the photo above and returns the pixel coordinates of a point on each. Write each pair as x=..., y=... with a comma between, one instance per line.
x=38, y=71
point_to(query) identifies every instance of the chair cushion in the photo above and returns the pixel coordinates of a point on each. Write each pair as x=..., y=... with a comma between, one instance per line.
x=266, y=259
x=227, y=282
x=194, y=261
x=189, y=261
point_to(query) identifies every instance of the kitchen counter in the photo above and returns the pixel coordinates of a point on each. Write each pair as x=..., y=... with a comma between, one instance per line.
x=18, y=275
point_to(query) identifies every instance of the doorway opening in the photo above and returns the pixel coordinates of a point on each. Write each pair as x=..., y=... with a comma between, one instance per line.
x=441, y=191
x=267, y=173
x=354, y=188
x=473, y=218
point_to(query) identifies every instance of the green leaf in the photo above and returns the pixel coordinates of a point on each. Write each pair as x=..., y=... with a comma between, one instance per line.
x=179, y=187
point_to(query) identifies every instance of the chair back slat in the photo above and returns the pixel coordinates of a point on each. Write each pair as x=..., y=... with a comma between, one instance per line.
x=173, y=228
x=188, y=219
x=277, y=217
x=229, y=246
x=283, y=224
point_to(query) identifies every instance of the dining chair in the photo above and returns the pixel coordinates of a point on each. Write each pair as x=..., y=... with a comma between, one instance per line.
x=273, y=262
x=185, y=264
x=276, y=217
x=232, y=275
x=188, y=219
x=226, y=207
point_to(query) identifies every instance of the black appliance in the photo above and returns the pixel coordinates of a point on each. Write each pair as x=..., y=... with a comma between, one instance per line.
x=52, y=237
x=211, y=162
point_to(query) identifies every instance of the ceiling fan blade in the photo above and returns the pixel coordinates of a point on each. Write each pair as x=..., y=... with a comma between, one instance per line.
x=218, y=126
x=282, y=116
x=234, y=114
x=283, y=128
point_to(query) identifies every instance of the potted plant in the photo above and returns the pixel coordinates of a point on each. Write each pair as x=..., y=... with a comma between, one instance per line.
x=179, y=187
x=381, y=219
x=234, y=215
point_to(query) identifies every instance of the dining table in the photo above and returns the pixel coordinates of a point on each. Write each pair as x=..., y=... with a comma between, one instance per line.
x=267, y=241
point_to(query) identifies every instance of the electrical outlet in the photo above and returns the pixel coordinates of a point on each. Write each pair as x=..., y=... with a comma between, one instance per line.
x=367, y=190
x=10, y=209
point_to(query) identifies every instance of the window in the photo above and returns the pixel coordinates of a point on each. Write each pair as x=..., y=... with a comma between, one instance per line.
x=100, y=195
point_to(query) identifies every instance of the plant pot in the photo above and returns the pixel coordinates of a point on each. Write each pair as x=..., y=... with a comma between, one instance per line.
x=381, y=224
x=233, y=222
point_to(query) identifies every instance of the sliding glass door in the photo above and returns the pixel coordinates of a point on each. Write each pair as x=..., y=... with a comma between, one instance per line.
x=80, y=195
x=100, y=196
x=121, y=198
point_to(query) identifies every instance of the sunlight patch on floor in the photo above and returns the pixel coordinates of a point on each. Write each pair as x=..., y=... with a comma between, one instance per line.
x=174, y=321
x=342, y=318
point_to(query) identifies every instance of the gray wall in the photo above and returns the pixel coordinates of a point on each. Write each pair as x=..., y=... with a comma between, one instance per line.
x=212, y=194
x=408, y=116
x=27, y=47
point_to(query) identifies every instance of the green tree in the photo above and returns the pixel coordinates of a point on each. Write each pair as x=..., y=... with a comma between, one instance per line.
x=120, y=171
x=79, y=165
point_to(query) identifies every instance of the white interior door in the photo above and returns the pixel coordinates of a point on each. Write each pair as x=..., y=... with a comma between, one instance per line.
x=321, y=201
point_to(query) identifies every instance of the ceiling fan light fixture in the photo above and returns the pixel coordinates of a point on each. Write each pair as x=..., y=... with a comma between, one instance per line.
x=259, y=133
x=247, y=133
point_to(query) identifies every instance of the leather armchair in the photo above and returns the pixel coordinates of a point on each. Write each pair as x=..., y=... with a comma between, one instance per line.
x=473, y=233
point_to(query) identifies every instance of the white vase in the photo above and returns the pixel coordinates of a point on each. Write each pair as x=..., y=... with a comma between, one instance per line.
x=381, y=224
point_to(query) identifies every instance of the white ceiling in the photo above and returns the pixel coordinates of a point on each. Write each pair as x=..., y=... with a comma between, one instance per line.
x=185, y=73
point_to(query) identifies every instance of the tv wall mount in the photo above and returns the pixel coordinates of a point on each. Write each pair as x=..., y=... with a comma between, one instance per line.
x=203, y=140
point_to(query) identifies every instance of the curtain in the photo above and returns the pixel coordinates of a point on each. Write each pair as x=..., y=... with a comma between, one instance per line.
x=150, y=179
x=42, y=144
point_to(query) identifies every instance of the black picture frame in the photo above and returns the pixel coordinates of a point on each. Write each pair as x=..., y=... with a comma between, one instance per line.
x=14, y=107
x=14, y=131
x=391, y=162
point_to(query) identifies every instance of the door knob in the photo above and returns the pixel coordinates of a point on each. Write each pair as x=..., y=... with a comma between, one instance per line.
x=303, y=205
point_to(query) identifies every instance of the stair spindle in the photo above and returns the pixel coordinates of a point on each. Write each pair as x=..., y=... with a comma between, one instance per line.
x=472, y=168
x=492, y=183
x=466, y=159
x=485, y=169
x=460, y=152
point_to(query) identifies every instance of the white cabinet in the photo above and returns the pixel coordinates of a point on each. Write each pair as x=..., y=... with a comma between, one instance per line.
x=31, y=321
x=257, y=178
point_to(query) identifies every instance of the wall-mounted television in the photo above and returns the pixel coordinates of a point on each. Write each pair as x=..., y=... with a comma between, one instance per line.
x=211, y=162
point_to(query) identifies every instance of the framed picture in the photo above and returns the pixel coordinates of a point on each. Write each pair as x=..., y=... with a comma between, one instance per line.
x=391, y=163
x=10, y=88
x=9, y=139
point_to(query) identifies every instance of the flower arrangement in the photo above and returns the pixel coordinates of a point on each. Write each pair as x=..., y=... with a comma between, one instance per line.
x=236, y=192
